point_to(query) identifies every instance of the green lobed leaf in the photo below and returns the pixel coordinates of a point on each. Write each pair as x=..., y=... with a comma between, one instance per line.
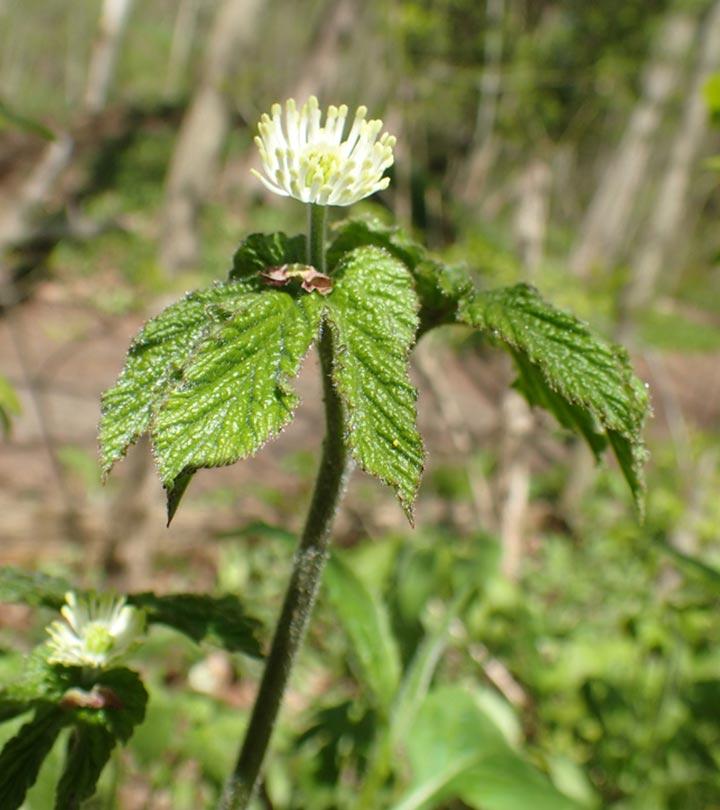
x=367, y=625
x=361, y=232
x=219, y=620
x=89, y=749
x=260, y=251
x=23, y=755
x=586, y=382
x=155, y=361
x=372, y=312
x=233, y=394
x=440, y=287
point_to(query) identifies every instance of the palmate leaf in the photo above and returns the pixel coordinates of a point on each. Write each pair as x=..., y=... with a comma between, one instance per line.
x=372, y=312
x=208, y=377
x=587, y=383
x=234, y=393
x=155, y=362
x=439, y=287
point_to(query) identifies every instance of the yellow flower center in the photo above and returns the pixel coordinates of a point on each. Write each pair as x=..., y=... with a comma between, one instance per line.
x=98, y=639
x=322, y=163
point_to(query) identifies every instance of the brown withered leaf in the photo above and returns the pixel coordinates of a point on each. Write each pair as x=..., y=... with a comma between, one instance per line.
x=311, y=279
x=99, y=697
x=276, y=276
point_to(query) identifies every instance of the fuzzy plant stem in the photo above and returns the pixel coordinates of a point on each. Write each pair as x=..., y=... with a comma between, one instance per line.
x=307, y=569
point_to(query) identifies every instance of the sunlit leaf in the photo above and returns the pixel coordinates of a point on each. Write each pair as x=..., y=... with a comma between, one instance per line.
x=155, y=362
x=372, y=311
x=439, y=287
x=233, y=394
x=586, y=382
x=457, y=752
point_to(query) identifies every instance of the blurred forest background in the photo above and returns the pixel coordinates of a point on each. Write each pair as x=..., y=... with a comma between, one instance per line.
x=563, y=142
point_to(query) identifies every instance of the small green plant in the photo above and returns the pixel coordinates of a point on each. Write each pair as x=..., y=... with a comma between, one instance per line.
x=210, y=380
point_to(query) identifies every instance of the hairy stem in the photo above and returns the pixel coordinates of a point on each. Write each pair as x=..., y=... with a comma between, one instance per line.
x=307, y=569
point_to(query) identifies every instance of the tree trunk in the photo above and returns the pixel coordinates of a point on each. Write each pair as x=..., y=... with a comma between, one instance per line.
x=325, y=52
x=515, y=481
x=532, y=214
x=668, y=215
x=113, y=21
x=194, y=163
x=17, y=219
x=484, y=146
x=604, y=232
x=181, y=46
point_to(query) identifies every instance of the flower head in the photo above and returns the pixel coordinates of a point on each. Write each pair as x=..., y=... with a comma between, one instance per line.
x=97, y=631
x=311, y=162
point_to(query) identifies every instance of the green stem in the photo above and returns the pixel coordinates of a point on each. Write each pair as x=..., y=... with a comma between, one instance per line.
x=307, y=569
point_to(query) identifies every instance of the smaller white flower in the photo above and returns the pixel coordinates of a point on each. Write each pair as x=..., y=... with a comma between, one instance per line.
x=97, y=631
x=304, y=159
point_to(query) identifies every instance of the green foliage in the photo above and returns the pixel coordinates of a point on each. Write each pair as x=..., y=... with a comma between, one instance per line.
x=711, y=92
x=220, y=620
x=9, y=405
x=124, y=707
x=89, y=749
x=155, y=362
x=233, y=393
x=364, y=618
x=260, y=251
x=372, y=313
x=456, y=751
x=22, y=756
x=208, y=376
x=439, y=287
x=586, y=383
x=100, y=709
x=11, y=119
x=32, y=589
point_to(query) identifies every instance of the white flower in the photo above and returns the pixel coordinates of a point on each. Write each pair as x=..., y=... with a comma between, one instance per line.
x=97, y=631
x=312, y=163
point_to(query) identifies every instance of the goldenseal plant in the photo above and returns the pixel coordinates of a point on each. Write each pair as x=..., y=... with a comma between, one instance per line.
x=210, y=379
x=97, y=631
